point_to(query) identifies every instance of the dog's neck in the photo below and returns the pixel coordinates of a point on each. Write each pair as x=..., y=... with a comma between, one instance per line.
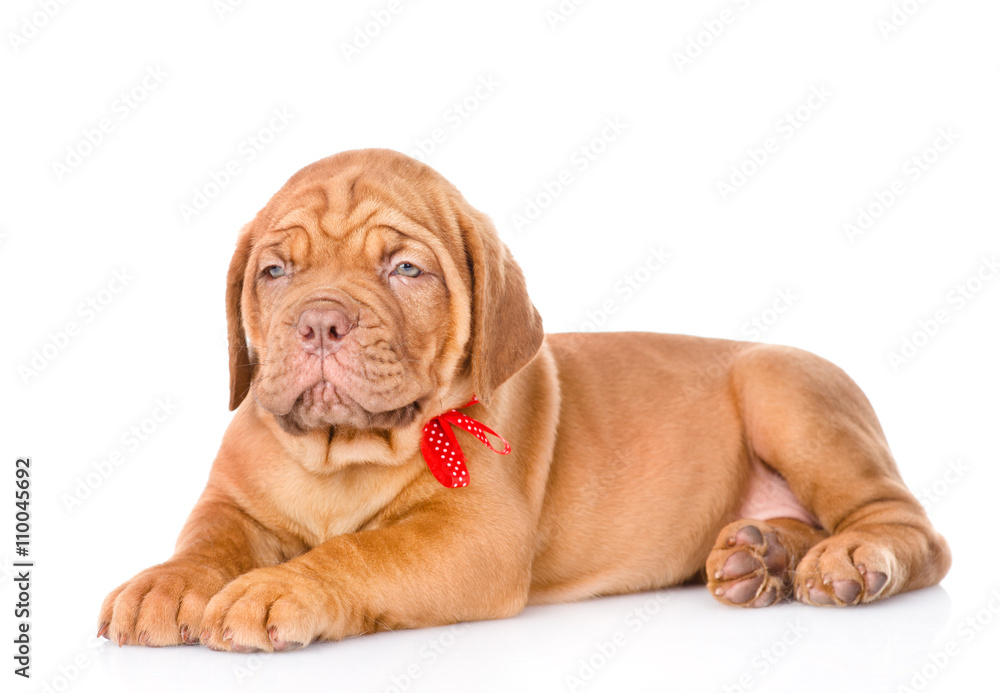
x=332, y=449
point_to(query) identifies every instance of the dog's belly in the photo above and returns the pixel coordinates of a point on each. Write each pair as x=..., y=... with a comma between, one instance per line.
x=768, y=496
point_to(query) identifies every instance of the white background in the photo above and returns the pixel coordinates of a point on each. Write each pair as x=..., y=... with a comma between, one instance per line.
x=654, y=187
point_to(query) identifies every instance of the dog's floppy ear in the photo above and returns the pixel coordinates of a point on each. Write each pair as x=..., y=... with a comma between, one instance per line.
x=240, y=366
x=506, y=328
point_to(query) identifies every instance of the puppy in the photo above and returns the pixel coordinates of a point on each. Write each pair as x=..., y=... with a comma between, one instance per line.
x=410, y=449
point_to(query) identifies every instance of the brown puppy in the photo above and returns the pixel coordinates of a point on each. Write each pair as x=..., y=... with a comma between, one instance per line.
x=368, y=298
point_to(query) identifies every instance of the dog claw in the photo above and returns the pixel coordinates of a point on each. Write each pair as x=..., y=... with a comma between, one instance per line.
x=186, y=636
x=281, y=645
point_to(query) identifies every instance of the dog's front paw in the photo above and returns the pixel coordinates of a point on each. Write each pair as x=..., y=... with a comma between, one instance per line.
x=162, y=605
x=268, y=609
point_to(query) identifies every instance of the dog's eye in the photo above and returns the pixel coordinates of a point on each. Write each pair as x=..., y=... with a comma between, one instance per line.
x=405, y=269
x=275, y=271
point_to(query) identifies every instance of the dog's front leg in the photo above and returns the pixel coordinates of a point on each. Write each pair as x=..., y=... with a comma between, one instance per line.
x=164, y=605
x=440, y=564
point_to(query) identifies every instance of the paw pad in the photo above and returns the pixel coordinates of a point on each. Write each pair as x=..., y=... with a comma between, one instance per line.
x=836, y=572
x=749, y=567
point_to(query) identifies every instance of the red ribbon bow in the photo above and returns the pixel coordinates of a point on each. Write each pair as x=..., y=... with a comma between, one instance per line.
x=441, y=450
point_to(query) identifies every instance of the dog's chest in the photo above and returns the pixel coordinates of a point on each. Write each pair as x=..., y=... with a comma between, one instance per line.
x=319, y=507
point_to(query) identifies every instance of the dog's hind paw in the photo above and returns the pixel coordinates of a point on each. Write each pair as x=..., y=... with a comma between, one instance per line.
x=749, y=566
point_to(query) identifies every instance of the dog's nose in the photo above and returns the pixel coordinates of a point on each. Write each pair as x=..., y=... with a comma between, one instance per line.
x=322, y=329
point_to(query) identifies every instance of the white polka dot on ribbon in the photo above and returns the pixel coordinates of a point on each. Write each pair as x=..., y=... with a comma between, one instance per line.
x=442, y=452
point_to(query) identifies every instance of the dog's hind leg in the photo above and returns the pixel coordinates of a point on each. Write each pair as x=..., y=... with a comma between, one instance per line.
x=807, y=420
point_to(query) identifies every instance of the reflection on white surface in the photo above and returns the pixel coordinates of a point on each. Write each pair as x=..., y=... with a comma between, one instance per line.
x=678, y=639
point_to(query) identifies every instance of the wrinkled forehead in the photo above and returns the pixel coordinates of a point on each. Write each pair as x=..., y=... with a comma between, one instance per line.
x=363, y=209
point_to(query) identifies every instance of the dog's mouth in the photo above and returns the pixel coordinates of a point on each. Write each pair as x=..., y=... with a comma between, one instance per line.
x=322, y=407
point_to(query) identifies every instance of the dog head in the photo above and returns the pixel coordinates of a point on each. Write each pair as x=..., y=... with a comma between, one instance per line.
x=367, y=293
